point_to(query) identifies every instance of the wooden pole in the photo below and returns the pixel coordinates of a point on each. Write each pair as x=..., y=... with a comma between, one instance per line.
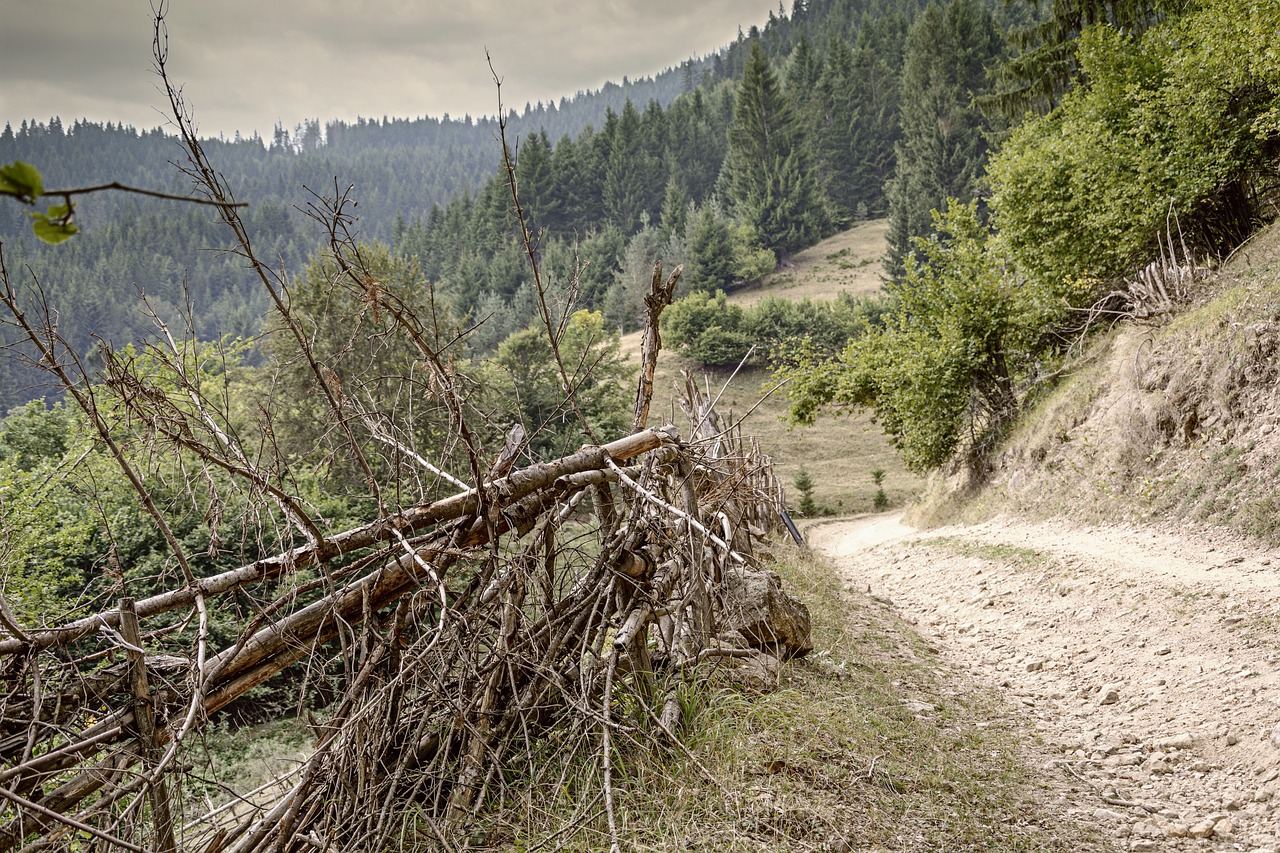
x=144, y=715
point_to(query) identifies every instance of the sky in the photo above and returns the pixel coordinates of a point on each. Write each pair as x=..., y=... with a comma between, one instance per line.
x=246, y=65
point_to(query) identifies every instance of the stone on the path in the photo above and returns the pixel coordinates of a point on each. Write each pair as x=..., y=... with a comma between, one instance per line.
x=1109, y=694
x=1178, y=741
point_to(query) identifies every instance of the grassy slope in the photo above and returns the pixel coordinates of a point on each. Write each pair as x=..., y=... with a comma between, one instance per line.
x=840, y=452
x=1170, y=423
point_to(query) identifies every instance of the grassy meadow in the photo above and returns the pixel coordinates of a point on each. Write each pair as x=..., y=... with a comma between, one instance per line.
x=840, y=452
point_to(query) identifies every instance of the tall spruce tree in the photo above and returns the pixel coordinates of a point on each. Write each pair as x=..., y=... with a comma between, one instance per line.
x=769, y=176
x=535, y=181
x=632, y=180
x=710, y=264
x=944, y=135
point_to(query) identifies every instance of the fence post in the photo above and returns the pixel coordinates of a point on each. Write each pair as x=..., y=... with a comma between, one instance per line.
x=144, y=713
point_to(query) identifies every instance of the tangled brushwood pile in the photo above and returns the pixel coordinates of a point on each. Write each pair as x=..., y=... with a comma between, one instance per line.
x=562, y=606
x=479, y=625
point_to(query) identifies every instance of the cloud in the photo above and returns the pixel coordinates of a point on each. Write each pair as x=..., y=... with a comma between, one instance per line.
x=247, y=64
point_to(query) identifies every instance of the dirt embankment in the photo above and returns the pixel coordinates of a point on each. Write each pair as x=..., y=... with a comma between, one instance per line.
x=1147, y=664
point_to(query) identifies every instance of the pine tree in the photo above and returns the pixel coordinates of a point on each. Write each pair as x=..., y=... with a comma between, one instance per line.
x=536, y=183
x=768, y=175
x=629, y=174
x=944, y=135
x=675, y=210
x=710, y=263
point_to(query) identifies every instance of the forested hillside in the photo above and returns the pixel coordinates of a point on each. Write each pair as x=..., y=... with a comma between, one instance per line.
x=617, y=177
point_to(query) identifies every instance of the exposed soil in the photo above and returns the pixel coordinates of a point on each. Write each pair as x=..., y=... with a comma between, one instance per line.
x=1145, y=663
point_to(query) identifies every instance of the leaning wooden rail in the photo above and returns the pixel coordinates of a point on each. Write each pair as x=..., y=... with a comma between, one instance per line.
x=517, y=485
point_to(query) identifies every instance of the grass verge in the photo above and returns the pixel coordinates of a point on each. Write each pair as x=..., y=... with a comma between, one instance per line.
x=869, y=744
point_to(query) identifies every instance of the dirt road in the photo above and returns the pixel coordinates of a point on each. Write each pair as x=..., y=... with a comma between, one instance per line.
x=1147, y=663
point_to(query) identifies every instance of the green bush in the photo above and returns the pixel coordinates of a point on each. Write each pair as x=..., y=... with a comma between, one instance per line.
x=945, y=372
x=1183, y=117
x=714, y=331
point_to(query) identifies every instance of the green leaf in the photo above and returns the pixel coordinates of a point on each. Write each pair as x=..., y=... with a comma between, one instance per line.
x=22, y=180
x=53, y=230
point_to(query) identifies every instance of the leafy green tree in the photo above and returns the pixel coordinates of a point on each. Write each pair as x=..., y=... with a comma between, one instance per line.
x=708, y=328
x=1179, y=121
x=944, y=375
x=363, y=355
x=522, y=384
x=944, y=144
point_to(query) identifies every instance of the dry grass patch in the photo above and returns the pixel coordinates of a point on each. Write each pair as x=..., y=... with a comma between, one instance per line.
x=840, y=452
x=849, y=262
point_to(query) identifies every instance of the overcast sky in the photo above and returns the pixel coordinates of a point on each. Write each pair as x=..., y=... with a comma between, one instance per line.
x=248, y=64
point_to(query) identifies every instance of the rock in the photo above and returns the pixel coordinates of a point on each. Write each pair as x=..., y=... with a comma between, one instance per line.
x=1109, y=815
x=1224, y=829
x=730, y=639
x=1179, y=741
x=1109, y=694
x=1232, y=739
x=1275, y=736
x=1034, y=665
x=1177, y=830
x=1203, y=829
x=1143, y=844
x=756, y=606
x=756, y=673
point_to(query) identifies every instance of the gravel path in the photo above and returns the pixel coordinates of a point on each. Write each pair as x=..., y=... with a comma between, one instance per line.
x=1147, y=663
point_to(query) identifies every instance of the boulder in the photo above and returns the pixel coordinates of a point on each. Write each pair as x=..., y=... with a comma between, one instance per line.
x=754, y=605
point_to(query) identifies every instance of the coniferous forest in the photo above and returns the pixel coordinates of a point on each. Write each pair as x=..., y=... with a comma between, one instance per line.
x=685, y=166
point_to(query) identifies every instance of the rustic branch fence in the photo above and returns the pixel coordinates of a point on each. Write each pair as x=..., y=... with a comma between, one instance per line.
x=496, y=619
